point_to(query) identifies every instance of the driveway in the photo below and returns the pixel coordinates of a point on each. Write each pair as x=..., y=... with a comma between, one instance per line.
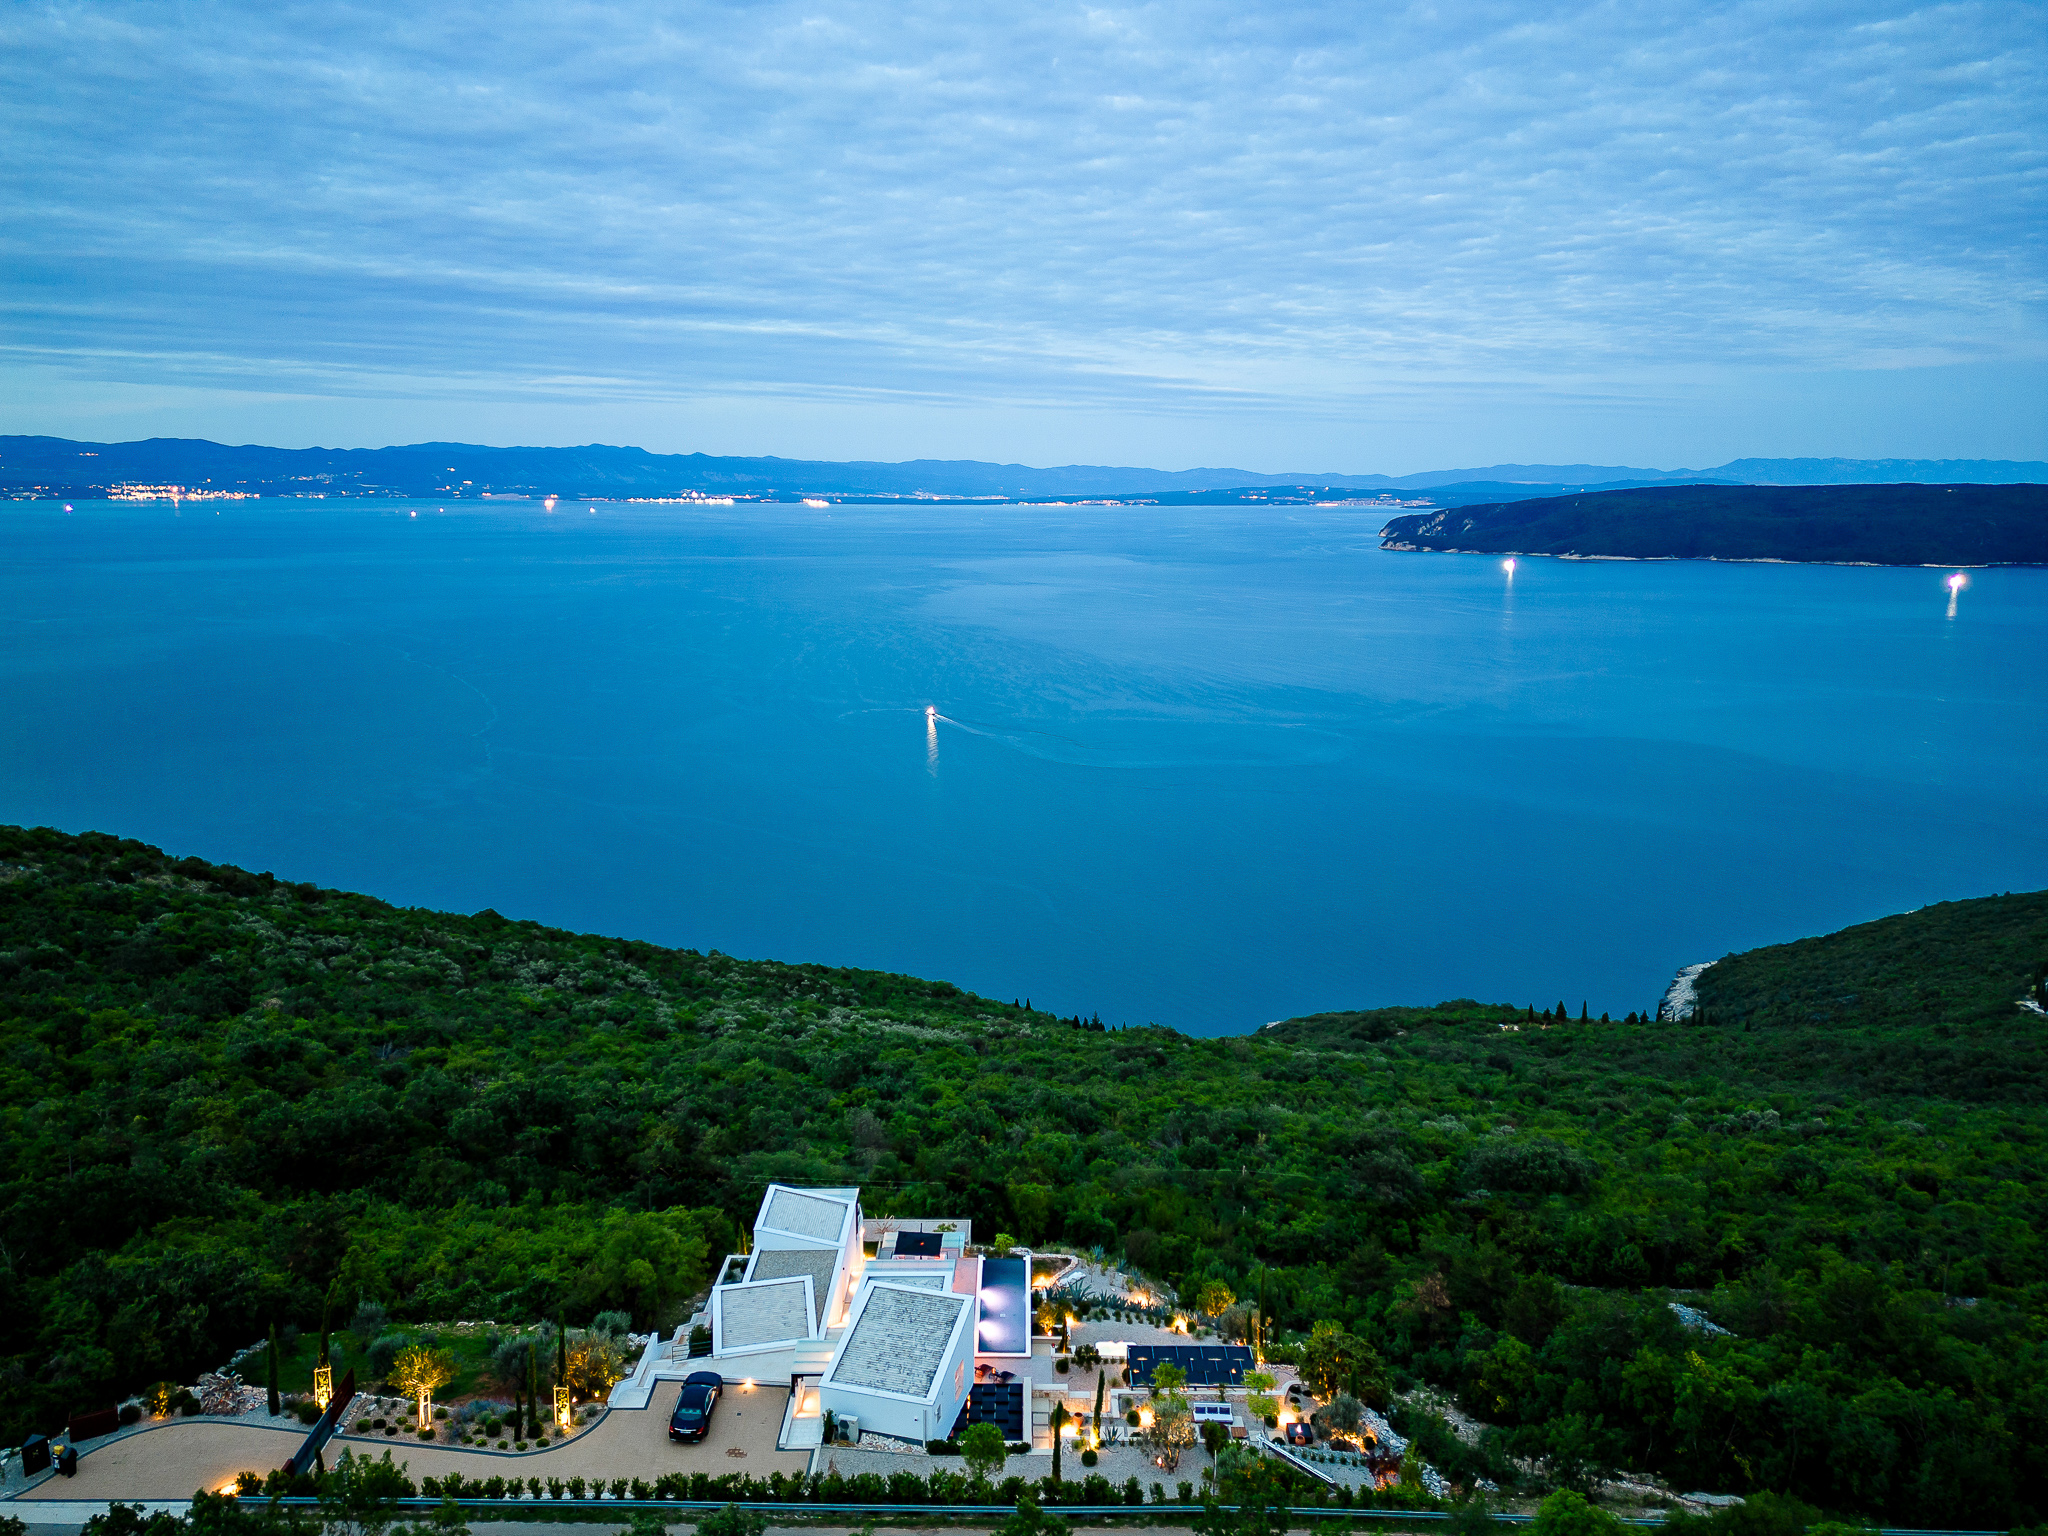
x=173, y=1459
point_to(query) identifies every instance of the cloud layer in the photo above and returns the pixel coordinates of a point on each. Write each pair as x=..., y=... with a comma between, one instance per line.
x=1301, y=212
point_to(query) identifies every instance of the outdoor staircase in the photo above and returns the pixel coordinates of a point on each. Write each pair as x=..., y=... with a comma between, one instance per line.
x=811, y=1359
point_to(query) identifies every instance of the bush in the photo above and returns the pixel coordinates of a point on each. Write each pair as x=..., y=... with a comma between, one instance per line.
x=1566, y=1513
x=309, y=1413
x=1060, y=1365
x=1761, y=1514
x=1131, y=1418
x=1089, y=1458
x=576, y=1487
x=1536, y=1166
x=131, y=1413
x=555, y=1488
x=427, y=1433
x=368, y=1323
x=733, y=1521
x=615, y=1324
x=440, y=1413
x=379, y=1358
x=364, y=1426
x=941, y=1448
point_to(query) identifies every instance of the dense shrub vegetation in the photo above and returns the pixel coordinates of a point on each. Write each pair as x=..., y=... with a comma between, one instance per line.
x=226, y=1093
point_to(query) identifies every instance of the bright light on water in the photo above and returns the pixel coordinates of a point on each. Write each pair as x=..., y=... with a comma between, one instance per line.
x=1508, y=566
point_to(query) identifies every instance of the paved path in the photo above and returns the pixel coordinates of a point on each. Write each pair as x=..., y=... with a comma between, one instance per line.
x=170, y=1460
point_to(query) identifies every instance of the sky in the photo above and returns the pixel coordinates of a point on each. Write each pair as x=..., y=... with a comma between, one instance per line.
x=1350, y=237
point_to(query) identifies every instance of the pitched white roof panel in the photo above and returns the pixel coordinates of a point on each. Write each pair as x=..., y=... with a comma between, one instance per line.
x=899, y=1341
x=765, y=1312
x=819, y=1263
x=805, y=1215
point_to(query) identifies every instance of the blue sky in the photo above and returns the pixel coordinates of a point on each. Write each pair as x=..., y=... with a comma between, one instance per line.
x=1349, y=237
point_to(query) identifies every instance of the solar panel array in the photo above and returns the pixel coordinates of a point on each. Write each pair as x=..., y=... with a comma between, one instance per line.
x=1207, y=1365
x=1000, y=1403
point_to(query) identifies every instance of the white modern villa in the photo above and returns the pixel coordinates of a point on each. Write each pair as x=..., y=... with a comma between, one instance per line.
x=889, y=1326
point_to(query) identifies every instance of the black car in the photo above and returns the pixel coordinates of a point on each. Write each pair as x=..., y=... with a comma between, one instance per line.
x=693, y=1408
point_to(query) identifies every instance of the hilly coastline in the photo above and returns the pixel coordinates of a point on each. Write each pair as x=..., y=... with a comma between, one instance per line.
x=1844, y=524
x=59, y=467
x=228, y=1089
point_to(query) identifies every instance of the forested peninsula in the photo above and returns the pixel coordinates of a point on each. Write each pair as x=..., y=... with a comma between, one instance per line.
x=233, y=1101
x=1840, y=524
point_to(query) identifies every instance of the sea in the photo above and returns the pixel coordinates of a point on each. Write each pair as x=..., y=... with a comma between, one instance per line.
x=1200, y=767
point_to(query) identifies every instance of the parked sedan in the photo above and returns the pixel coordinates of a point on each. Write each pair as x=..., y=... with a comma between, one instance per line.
x=692, y=1417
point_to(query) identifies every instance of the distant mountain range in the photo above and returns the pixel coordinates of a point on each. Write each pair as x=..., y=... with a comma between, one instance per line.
x=55, y=466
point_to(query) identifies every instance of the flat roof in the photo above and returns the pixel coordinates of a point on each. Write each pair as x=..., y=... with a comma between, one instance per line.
x=782, y=1263
x=899, y=1342
x=763, y=1312
x=822, y=1218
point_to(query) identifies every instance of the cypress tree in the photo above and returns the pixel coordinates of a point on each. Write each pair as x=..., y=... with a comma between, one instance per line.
x=1582, y=1010
x=561, y=1349
x=276, y=1407
x=532, y=1393
x=1101, y=1383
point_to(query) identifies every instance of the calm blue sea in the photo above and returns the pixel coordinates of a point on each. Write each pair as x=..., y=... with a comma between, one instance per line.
x=1206, y=767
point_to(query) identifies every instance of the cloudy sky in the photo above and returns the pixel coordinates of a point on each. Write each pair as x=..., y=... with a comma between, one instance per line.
x=1287, y=236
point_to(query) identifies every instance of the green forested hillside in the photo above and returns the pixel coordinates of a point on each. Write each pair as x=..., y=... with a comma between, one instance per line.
x=1859, y=524
x=223, y=1090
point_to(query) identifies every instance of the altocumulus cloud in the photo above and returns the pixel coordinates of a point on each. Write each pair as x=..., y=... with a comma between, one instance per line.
x=1181, y=207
